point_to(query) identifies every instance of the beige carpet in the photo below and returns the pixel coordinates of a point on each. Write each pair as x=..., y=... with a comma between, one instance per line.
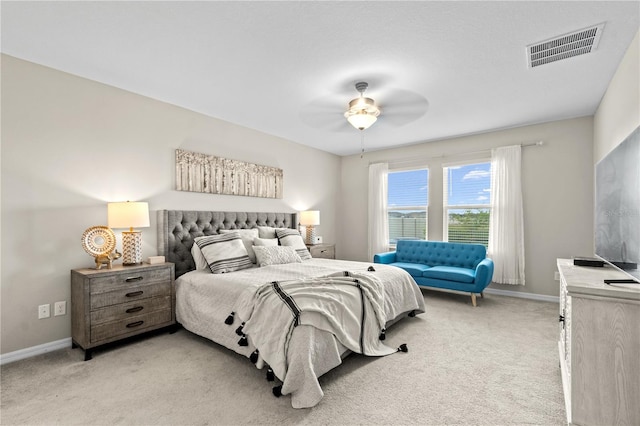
x=496, y=364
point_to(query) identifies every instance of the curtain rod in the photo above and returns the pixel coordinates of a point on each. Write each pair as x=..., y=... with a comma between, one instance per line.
x=413, y=160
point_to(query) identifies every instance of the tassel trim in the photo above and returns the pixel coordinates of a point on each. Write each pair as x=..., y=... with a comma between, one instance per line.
x=270, y=375
x=277, y=391
x=254, y=356
x=229, y=319
x=243, y=341
x=403, y=348
x=383, y=335
x=239, y=329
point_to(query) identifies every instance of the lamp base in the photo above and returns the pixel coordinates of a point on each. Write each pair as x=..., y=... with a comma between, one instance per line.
x=311, y=234
x=131, y=248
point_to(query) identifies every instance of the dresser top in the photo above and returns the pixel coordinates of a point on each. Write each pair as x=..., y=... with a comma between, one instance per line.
x=585, y=280
x=122, y=268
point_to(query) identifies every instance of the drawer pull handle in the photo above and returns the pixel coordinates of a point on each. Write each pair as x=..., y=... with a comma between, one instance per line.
x=133, y=279
x=134, y=309
x=135, y=324
x=322, y=251
x=134, y=293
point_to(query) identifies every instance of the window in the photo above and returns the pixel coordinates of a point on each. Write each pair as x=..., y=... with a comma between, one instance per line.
x=407, y=204
x=467, y=198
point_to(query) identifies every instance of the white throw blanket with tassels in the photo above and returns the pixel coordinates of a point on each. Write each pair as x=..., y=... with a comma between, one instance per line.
x=350, y=305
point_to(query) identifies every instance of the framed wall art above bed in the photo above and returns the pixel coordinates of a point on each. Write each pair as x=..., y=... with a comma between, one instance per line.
x=198, y=172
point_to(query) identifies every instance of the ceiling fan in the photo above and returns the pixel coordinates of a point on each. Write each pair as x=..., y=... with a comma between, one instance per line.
x=388, y=108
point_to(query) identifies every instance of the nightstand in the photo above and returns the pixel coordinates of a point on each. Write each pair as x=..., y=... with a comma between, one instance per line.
x=326, y=251
x=108, y=305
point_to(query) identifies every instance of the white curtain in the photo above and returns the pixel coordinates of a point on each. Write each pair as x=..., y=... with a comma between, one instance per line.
x=506, y=230
x=378, y=222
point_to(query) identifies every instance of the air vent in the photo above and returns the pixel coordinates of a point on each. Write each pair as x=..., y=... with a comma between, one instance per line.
x=565, y=46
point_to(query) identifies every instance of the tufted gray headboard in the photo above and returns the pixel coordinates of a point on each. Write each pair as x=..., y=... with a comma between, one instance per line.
x=178, y=228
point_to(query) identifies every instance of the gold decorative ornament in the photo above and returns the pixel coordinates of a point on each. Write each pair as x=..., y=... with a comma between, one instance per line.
x=100, y=242
x=107, y=259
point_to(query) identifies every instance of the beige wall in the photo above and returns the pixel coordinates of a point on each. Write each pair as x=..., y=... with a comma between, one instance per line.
x=619, y=112
x=558, y=197
x=70, y=145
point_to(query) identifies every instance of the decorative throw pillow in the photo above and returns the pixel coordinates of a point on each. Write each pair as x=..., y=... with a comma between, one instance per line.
x=292, y=238
x=224, y=252
x=198, y=257
x=266, y=232
x=265, y=242
x=276, y=255
x=247, y=235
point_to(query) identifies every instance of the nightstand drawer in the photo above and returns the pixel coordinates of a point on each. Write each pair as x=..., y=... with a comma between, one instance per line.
x=128, y=279
x=129, y=325
x=129, y=294
x=131, y=309
x=326, y=251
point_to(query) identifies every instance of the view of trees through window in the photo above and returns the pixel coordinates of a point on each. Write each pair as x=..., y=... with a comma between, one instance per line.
x=469, y=226
x=407, y=204
x=467, y=197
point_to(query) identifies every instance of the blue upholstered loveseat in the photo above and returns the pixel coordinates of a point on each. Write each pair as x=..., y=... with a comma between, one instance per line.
x=452, y=266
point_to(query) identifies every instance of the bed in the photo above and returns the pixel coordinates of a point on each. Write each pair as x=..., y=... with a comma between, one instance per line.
x=206, y=302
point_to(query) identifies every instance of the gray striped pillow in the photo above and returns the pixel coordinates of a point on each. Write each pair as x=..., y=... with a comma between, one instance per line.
x=224, y=252
x=292, y=238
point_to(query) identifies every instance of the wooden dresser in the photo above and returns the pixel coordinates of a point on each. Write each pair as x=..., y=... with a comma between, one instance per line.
x=599, y=346
x=108, y=305
x=327, y=251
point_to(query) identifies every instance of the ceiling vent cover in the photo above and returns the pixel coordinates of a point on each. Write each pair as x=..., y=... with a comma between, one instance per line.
x=565, y=46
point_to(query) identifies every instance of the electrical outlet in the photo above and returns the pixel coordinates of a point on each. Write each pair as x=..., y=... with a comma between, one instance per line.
x=43, y=311
x=60, y=308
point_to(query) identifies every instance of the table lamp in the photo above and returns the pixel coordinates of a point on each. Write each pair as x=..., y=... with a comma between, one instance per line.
x=309, y=219
x=129, y=215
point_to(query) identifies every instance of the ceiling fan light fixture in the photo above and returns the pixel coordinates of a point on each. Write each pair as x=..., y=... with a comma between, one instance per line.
x=361, y=103
x=362, y=112
x=362, y=119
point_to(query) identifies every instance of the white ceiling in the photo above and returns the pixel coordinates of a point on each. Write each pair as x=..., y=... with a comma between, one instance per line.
x=437, y=69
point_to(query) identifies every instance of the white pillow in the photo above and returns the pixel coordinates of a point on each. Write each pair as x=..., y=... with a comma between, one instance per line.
x=265, y=242
x=247, y=235
x=276, y=255
x=266, y=232
x=198, y=257
x=224, y=252
x=292, y=238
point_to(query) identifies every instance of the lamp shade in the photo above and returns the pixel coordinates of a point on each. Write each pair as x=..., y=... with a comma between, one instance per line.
x=362, y=120
x=310, y=218
x=128, y=215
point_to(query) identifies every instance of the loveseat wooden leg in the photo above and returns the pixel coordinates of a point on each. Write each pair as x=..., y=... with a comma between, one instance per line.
x=473, y=299
x=482, y=294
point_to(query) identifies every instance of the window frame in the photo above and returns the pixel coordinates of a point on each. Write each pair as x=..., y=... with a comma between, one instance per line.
x=392, y=246
x=445, y=195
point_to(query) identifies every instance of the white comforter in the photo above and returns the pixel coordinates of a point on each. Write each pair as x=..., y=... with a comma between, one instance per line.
x=204, y=300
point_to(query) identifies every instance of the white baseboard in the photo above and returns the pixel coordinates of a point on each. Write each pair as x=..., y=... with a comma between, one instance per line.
x=523, y=295
x=34, y=350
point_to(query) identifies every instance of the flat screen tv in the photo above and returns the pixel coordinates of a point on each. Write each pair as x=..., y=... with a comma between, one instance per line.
x=617, y=207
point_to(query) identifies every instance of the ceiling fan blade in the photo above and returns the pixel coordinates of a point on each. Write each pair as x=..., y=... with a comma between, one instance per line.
x=400, y=107
x=325, y=113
